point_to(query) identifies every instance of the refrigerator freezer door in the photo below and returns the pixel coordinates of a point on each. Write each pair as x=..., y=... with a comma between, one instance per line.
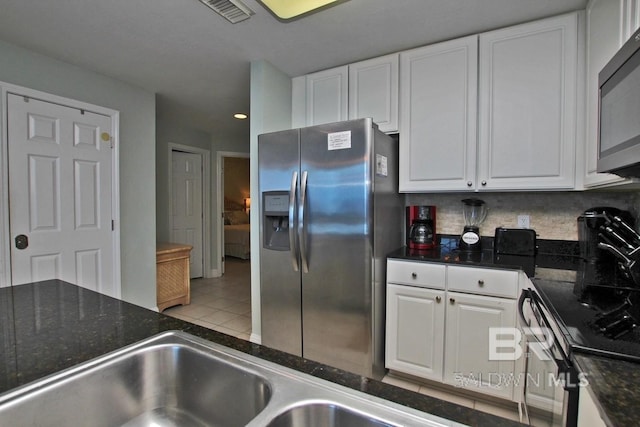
x=279, y=163
x=337, y=226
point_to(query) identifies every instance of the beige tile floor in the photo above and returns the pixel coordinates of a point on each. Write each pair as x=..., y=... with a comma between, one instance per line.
x=221, y=303
x=224, y=304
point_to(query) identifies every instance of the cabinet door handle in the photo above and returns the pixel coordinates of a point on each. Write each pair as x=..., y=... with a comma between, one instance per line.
x=484, y=183
x=469, y=183
x=481, y=283
x=438, y=299
x=452, y=300
x=414, y=275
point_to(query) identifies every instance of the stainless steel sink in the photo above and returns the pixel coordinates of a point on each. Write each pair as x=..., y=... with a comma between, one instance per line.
x=177, y=379
x=325, y=414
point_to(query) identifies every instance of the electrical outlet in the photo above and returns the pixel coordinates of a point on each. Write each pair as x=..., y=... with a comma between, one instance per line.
x=523, y=221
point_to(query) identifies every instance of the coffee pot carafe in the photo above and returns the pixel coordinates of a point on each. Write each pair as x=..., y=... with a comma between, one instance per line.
x=421, y=227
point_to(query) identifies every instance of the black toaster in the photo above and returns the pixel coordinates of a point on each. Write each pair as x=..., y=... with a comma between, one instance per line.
x=516, y=246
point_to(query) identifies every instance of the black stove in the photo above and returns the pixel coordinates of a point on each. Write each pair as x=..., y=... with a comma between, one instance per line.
x=603, y=321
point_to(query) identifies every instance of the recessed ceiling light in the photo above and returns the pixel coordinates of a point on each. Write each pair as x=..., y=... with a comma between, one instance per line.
x=287, y=10
x=240, y=116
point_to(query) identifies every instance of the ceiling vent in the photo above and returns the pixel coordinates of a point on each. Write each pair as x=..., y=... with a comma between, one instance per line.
x=233, y=11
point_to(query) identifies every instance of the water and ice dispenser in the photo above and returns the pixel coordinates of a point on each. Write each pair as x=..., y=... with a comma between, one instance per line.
x=275, y=211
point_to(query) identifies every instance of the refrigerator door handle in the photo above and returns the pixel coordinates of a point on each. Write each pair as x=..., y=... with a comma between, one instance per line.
x=292, y=229
x=302, y=236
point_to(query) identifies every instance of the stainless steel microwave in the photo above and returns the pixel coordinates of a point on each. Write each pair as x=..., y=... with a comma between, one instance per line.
x=619, y=112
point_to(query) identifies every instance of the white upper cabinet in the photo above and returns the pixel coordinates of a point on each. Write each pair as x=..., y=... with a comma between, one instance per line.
x=609, y=24
x=527, y=106
x=511, y=128
x=373, y=91
x=438, y=93
x=363, y=89
x=327, y=96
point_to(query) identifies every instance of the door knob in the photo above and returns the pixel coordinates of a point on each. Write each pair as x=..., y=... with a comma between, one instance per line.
x=438, y=299
x=22, y=241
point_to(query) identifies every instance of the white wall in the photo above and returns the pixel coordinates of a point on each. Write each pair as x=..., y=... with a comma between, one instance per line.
x=270, y=111
x=22, y=67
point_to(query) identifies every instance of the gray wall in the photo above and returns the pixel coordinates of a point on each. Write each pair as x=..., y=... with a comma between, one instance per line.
x=137, y=153
x=270, y=111
x=170, y=132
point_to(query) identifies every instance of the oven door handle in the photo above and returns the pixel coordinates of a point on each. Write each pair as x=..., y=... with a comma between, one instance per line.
x=524, y=295
x=542, y=320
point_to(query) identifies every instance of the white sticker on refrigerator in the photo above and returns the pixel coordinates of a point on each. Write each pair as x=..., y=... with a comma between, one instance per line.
x=339, y=140
x=381, y=165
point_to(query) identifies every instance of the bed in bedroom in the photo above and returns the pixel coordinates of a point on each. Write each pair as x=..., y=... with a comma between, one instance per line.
x=237, y=234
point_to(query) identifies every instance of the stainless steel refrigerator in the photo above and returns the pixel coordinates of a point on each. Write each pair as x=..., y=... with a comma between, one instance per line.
x=330, y=212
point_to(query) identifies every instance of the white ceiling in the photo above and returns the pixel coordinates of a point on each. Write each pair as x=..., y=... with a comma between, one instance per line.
x=198, y=63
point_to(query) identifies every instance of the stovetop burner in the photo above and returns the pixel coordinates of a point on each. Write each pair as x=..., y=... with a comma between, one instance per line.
x=616, y=322
x=604, y=322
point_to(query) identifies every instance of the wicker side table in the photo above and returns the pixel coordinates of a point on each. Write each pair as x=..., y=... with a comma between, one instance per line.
x=172, y=274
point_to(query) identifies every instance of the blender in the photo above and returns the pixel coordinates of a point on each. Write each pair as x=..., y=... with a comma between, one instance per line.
x=474, y=211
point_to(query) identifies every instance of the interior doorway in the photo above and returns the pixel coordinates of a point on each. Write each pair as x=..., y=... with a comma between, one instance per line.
x=234, y=203
x=189, y=203
x=61, y=160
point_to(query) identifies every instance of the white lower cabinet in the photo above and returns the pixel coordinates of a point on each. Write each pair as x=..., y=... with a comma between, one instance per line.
x=414, y=351
x=468, y=362
x=444, y=335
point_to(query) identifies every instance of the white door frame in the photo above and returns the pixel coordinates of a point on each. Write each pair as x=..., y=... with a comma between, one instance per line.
x=220, y=195
x=5, y=236
x=206, y=199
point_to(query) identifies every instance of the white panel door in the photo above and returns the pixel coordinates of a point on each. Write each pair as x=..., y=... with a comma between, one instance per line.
x=373, y=91
x=527, y=106
x=438, y=94
x=186, y=205
x=415, y=331
x=60, y=188
x=327, y=93
x=467, y=345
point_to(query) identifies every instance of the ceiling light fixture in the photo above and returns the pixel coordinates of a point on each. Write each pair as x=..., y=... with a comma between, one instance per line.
x=240, y=116
x=288, y=10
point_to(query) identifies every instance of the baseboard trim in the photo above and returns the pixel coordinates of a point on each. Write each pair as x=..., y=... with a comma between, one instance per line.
x=255, y=338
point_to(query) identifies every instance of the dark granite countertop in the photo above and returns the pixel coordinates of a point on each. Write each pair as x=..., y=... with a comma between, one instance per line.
x=52, y=325
x=556, y=254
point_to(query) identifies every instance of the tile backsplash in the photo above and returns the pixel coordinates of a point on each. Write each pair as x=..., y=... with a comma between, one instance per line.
x=553, y=215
